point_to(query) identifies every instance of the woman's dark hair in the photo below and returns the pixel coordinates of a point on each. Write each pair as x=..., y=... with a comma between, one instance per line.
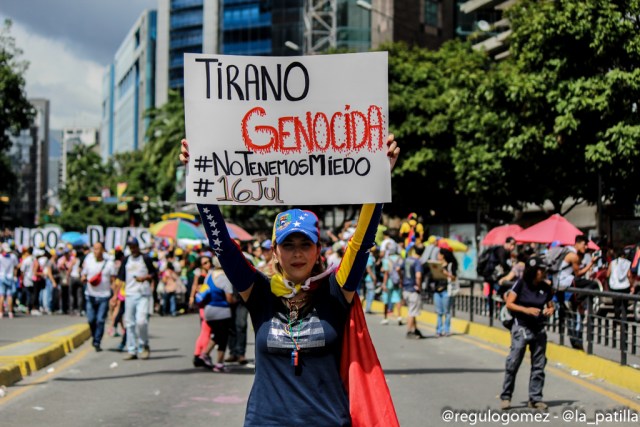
x=450, y=259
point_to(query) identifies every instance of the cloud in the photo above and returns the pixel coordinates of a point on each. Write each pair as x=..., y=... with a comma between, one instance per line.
x=93, y=28
x=72, y=84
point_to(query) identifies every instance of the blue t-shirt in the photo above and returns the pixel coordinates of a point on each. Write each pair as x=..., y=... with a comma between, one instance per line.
x=529, y=295
x=409, y=269
x=316, y=395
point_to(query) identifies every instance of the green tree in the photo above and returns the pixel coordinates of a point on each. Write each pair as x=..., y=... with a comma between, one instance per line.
x=575, y=88
x=432, y=95
x=86, y=177
x=16, y=113
x=162, y=148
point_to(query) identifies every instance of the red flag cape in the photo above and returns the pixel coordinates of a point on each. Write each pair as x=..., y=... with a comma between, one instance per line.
x=370, y=402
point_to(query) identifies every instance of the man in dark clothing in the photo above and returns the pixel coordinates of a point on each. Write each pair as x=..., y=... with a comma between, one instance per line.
x=530, y=303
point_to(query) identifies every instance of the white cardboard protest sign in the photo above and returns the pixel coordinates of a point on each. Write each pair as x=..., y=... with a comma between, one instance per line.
x=305, y=130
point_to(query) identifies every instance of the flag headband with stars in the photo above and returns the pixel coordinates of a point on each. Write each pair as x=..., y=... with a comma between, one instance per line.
x=295, y=221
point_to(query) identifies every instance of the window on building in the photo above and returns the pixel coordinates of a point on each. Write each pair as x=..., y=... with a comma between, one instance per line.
x=431, y=12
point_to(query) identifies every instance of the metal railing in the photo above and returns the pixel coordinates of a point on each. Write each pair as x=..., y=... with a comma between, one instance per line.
x=587, y=323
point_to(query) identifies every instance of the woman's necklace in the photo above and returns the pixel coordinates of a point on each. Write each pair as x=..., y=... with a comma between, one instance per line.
x=294, y=313
x=294, y=307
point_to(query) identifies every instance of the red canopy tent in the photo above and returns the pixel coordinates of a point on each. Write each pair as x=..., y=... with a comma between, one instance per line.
x=553, y=229
x=498, y=235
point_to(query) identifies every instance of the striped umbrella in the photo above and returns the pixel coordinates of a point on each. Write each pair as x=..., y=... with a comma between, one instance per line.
x=176, y=229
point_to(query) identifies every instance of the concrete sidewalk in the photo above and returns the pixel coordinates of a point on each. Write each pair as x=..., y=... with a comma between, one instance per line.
x=29, y=343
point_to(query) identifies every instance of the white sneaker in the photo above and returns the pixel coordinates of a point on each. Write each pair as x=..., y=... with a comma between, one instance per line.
x=36, y=313
x=384, y=322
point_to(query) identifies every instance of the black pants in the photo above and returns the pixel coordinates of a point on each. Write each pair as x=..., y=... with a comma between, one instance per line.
x=220, y=332
x=29, y=297
x=521, y=337
x=77, y=295
x=38, y=286
x=618, y=303
x=64, y=298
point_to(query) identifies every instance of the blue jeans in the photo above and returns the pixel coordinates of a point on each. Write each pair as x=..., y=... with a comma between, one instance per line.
x=6, y=288
x=443, y=309
x=370, y=293
x=136, y=321
x=46, y=296
x=169, y=303
x=97, y=308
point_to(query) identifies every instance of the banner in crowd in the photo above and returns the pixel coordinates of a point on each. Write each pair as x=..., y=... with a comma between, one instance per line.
x=118, y=236
x=287, y=130
x=34, y=237
x=111, y=237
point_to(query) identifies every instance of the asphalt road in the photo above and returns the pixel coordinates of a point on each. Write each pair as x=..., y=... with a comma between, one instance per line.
x=425, y=378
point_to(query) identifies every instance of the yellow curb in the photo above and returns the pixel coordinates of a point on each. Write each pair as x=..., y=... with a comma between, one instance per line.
x=33, y=360
x=9, y=374
x=611, y=372
x=49, y=348
x=71, y=337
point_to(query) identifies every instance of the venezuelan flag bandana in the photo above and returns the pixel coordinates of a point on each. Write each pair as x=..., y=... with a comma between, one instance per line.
x=281, y=287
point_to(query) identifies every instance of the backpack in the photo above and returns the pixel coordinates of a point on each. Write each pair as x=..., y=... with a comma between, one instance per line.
x=554, y=258
x=395, y=265
x=487, y=263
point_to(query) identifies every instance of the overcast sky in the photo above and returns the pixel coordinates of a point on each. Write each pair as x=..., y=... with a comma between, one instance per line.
x=68, y=44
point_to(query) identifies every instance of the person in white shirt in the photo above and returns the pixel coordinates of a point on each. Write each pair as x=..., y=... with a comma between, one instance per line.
x=98, y=273
x=8, y=270
x=26, y=271
x=620, y=280
x=138, y=275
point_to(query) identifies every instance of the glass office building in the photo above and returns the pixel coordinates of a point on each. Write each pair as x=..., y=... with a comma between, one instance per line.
x=128, y=89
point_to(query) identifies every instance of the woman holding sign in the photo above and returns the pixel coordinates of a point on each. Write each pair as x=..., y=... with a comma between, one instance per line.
x=304, y=323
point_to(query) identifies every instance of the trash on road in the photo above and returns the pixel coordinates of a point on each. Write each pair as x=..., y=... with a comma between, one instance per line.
x=114, y=365
x=3, y=391
x=157, y=392
x=38, y=408
x=51, y=370
x=575, y=372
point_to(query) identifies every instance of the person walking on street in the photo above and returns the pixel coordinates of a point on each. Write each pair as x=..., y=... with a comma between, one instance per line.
x=200, y=358
x=216, y=297
x=98, y=273
x=138, y=273
x=530, y=302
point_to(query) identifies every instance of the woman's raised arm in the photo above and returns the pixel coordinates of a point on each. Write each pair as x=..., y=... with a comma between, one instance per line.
x=240, y=272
